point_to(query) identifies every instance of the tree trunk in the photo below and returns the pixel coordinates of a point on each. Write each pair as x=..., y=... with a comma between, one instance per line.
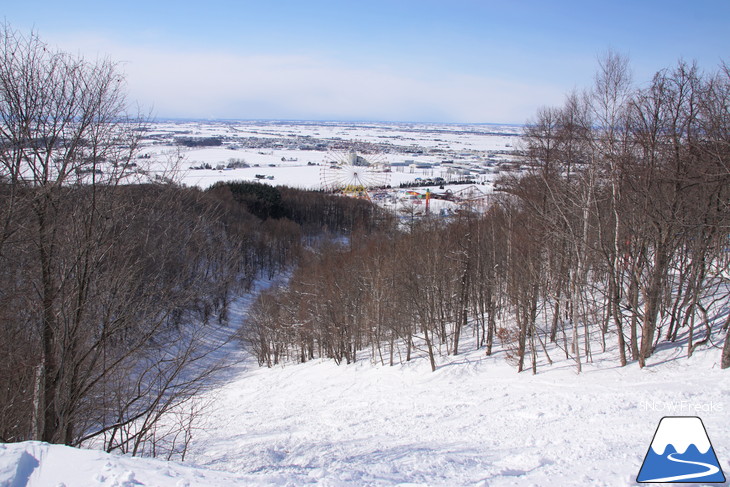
x=653, y=298
x=725, y=360
x=49, y=367
x=429, y=345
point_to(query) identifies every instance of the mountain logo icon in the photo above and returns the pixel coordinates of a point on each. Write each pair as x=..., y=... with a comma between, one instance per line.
x=680, y=452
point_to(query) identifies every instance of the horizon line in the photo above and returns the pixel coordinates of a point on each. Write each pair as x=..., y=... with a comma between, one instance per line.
x=313, y=121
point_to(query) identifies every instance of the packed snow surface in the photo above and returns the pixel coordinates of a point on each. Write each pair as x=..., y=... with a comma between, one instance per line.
x=473, y=422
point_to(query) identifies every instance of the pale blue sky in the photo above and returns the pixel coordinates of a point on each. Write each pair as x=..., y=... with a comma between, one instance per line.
x=442, y=61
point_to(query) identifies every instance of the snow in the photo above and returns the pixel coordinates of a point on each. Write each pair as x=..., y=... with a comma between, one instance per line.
x=473, y=422
x=303, y=177
x=286, y=159
x=40, y=464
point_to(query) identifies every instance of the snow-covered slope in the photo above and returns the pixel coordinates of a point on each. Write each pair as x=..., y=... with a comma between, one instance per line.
x=475, y=421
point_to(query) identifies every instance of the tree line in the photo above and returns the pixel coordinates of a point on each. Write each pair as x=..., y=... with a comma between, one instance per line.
x=616, y=236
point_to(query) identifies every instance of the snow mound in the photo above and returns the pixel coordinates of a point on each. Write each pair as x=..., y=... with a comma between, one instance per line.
x=37, y=464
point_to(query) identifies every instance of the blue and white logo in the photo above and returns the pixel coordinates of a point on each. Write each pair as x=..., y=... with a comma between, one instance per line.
x=681, y=452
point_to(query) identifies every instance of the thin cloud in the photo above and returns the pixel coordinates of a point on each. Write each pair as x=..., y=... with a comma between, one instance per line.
x=207, y=84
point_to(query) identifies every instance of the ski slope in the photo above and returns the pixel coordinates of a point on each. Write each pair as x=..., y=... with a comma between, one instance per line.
x=473, y=422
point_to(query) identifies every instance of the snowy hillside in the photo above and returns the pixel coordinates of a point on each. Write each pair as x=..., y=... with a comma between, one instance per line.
x=474, y=422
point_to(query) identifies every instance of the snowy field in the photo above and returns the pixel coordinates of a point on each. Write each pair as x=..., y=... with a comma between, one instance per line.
x=473, y=422
x=295, y=153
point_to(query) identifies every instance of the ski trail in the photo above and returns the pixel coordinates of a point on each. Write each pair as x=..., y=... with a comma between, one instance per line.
x=712, y=470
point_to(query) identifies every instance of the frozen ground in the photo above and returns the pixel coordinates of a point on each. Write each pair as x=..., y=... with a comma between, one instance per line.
x=474, y=422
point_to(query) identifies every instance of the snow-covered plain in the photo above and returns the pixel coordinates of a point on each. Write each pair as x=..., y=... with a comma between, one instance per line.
x=298, y=155
x=295, y=153
x=473, y=422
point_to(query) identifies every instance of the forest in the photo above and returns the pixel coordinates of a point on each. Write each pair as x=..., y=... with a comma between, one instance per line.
x=114, y=288
x=110, y=297
x=616, y=236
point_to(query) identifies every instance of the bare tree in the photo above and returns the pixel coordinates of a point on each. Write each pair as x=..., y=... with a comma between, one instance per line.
x=107, y=286
x=611, y=97
x=61, y=123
